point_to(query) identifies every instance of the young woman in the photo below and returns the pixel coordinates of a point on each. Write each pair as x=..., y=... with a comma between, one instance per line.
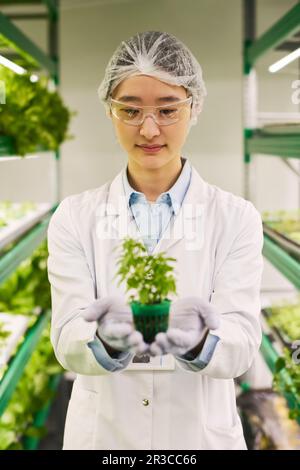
x=178, y=392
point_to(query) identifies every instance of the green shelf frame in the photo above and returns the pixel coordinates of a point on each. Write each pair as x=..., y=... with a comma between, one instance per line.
x=19, y=48
x=287, y=26
x=269, y=353
x=52, y=5
x=286, y=146
x=24, y=248
x=6, y=146
x=17, y=365
x=24, y=46
x=32, y=443
x=285, y=263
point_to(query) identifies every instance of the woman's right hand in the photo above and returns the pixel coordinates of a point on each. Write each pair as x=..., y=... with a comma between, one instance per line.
x=115, y=325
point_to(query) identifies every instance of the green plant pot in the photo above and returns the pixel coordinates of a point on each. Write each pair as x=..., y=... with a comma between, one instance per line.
x=151, y=319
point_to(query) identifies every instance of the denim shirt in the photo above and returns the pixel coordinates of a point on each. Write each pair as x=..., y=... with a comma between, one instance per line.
x=152, y=218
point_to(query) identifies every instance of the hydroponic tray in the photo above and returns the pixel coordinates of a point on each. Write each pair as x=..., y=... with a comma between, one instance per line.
x=18, y=227
x=281, y=335
x=286, y=243
x=284, y=128
x=15, y=326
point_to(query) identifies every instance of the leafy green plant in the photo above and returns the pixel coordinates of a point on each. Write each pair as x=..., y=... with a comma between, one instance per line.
x=31, y=395
x=32, y=115
x=3, y=333
x=27, y=291
x=286, y=380
x=152, y=280
x=10, y=211
x=286, y=223
x=149, y=275
x=286, y=318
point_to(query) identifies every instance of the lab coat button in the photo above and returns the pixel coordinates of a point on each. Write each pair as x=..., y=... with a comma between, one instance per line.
x=145, y=402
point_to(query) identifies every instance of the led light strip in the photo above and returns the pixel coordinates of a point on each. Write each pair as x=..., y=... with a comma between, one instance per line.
x=284, y=61
x=12, y=66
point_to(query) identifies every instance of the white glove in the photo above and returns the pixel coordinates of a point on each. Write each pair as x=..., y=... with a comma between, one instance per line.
x=115, y=324
x=189, y=321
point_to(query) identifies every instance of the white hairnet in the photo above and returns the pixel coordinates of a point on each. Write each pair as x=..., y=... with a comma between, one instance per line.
x=159, y=55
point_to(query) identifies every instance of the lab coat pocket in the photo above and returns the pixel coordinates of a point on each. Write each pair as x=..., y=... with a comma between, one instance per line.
x=223, y=428
x=231, y=438
x=81, y=420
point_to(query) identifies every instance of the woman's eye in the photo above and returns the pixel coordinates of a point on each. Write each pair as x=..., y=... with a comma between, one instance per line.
x=167, y=112
x=131, y=111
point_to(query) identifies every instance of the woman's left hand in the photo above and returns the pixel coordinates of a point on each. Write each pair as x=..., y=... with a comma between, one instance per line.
x=190, y=319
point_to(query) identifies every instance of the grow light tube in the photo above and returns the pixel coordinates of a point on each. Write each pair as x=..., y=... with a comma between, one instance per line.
x=284, y=61
x=11, y=65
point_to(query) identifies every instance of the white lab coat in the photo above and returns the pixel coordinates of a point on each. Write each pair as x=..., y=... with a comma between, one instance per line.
x=186, y=409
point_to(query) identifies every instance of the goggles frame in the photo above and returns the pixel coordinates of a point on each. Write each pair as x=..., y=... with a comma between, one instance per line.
x=165, y=106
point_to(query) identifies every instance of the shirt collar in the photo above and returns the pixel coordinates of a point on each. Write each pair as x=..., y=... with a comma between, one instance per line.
x=174, y=196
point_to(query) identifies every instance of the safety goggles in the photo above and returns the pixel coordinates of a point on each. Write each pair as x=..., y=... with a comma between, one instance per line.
x=163, y=115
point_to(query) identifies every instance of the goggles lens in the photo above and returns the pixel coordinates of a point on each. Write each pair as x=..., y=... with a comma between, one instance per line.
x=162, y=115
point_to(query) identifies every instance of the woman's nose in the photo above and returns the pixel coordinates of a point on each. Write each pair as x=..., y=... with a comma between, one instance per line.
x=149, y=128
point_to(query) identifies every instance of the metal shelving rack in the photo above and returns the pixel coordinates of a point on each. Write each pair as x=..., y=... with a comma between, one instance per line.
x=19, y=362
x=16, y=46
x=283, y=146
x=20, y=49
x=284, y=262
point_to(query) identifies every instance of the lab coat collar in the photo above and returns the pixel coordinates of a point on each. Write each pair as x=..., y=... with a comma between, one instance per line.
x=176, y=193
x=187, y=224
x=117, y=199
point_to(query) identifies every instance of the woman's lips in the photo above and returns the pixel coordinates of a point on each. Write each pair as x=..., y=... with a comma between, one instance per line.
x=151, y=149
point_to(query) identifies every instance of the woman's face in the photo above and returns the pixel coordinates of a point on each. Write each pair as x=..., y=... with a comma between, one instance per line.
x=147, y=91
